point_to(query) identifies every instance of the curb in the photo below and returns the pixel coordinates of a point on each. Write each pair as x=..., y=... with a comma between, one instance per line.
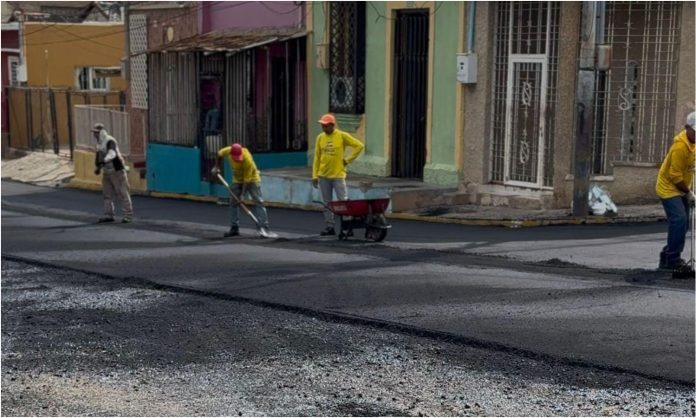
x=403, y=216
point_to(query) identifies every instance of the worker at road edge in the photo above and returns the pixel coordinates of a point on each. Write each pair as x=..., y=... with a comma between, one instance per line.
x=108, y=159
x=329, y=167
x=672, y=187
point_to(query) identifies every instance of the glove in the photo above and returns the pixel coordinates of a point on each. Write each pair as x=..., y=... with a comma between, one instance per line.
x=315, y=183
x=215, y=171
x=97, y=171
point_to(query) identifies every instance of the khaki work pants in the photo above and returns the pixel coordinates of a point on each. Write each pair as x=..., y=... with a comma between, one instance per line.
x=115, y=185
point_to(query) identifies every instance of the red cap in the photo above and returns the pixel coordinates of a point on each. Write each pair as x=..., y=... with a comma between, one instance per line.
x=237, y=152
x=327, y=119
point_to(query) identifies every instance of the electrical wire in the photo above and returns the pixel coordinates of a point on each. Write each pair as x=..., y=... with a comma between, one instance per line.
x=269, y=8
x=191, y=10
x=146, y=25
x=87, y=39
x=381, y=16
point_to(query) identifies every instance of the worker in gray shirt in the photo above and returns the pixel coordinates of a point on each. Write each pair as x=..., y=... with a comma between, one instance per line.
x=109, y=162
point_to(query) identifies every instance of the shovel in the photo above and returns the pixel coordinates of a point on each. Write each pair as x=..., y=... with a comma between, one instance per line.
x=687, y=271
x=259, y=228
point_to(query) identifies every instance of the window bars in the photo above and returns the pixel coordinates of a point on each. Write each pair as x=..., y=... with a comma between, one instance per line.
x=173, y=98
x=347, y=57
x=635, y=101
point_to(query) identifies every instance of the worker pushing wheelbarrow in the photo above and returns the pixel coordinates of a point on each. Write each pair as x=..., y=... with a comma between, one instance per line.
x=367, y=214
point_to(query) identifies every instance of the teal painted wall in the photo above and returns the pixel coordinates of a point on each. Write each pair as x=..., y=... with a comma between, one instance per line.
x=175, y=169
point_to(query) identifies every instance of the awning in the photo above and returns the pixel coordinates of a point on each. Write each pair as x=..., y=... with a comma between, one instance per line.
x=229, y=42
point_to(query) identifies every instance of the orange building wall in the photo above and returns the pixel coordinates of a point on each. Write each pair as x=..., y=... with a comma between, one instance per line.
x=70, y=46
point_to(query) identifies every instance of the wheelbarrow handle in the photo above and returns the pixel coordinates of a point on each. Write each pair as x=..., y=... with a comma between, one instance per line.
x=324, y=205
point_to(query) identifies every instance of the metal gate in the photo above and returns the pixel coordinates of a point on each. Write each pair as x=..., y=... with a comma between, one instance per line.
x=635, y=100
x=410, y=92
x=526, y=105
x=526, y=63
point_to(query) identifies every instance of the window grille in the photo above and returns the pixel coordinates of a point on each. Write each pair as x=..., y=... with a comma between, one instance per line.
x=347, y=57
x=173, y=104
x=87, y=79
x=13, y=63
x=138, y=61
x=635, y=101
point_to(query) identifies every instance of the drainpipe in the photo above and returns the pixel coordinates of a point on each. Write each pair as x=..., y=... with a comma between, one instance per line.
x=471, y=27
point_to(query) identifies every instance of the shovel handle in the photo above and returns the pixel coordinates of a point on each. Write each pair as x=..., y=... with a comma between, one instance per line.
x=239, y=201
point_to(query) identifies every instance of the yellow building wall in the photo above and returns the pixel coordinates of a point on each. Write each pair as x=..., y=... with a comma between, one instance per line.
x=55, y=50
x=86, y=179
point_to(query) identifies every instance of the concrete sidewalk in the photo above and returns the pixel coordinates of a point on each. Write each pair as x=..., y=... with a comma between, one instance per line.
x=292, y=189
x=40, y=168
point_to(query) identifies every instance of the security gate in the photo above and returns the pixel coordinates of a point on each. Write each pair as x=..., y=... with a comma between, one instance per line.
x=526, y=62
x=526, y=104
x=410, y=93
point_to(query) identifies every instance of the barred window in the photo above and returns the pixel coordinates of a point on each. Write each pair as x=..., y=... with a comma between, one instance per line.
x=347, y=57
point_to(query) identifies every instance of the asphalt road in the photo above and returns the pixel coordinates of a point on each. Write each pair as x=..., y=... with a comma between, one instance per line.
x=599, y=320
x=80, y=344
x=307, y=222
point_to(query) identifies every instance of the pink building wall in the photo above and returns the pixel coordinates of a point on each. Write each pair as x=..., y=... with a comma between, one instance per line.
x=230, y=15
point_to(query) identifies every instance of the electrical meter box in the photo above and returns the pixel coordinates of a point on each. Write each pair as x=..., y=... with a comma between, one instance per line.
x=467, y=64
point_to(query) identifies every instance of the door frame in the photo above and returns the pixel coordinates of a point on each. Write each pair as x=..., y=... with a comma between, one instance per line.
x=509, y=105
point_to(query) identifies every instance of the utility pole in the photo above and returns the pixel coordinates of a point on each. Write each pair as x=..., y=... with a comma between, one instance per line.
x=592, y=17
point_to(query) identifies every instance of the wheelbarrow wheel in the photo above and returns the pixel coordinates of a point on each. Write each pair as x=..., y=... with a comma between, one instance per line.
x=375, y=234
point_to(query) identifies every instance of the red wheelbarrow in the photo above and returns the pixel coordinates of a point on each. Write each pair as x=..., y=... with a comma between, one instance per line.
x=365, y=214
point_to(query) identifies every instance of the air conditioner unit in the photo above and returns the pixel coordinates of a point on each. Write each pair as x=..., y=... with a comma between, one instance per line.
x=342, y=93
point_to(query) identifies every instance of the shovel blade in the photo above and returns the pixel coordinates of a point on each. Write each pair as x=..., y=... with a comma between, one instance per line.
x=263, y=232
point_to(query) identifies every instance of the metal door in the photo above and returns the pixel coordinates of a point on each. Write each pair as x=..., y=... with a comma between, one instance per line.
x=524, y=93
x=526, y=118
x=410, y=93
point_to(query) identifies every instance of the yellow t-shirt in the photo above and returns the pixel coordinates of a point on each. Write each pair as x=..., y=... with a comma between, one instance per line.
x=677, y=166
x=329, y=154
x=244, y=171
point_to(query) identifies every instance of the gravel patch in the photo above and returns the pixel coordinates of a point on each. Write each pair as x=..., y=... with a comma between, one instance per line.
x=80, y=344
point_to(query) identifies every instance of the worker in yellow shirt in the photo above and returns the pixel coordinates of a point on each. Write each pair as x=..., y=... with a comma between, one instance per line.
x=673, y=188
x=330, y=162
x=246, y=179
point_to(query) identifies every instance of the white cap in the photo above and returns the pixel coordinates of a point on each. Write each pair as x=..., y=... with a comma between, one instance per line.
x=691, y=120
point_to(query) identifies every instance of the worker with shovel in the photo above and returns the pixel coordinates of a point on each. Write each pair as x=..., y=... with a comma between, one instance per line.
x=246, y=180
x=673, y=180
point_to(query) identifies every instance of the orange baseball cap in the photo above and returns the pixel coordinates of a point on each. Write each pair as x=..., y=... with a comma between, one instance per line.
x=327, y=119
x=237, y=152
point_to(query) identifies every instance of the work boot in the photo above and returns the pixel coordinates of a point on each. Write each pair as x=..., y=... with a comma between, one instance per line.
x=663, y=262
x=329, y=230
x=677, y=264
x=233, y=232
x=105, y=219
x=126, y=220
